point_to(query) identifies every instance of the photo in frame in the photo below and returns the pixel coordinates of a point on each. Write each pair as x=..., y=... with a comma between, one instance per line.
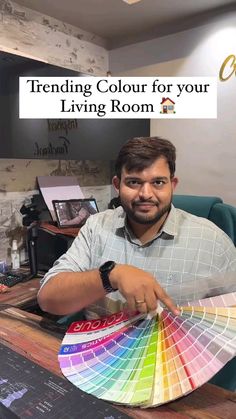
x=74, y=212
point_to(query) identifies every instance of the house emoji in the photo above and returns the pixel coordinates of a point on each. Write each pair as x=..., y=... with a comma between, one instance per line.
x=167, y=105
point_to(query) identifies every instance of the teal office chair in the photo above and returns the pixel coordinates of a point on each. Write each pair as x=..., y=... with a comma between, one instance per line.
x=224, y=216
x=233, y=214
x=226, y=378
x=196, y=205
x=212, y=208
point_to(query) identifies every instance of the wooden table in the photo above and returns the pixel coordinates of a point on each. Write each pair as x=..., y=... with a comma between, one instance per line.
x=22, y=293
x=25, y=333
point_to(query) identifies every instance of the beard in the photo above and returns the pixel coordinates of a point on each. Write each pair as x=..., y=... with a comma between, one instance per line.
x=146, y=218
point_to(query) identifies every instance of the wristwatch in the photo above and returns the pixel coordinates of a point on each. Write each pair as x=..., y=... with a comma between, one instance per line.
x=104, y=270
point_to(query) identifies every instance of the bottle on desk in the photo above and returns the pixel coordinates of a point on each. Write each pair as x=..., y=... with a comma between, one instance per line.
x=15, y=255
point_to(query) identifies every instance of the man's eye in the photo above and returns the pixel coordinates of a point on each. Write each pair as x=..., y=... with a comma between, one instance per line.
x=159, y=183
x=133, y=183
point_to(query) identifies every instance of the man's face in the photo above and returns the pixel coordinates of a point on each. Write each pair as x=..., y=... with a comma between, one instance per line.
x=146, y=196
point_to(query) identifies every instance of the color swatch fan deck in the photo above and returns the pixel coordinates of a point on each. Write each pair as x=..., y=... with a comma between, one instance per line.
x=141, y=361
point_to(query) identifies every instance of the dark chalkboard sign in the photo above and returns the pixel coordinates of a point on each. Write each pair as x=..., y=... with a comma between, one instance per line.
x=95, y=139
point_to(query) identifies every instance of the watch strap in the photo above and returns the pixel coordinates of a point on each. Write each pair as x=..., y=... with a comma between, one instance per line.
x=104, y=271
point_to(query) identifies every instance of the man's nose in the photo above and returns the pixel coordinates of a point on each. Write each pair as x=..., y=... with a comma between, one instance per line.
x=145, y=191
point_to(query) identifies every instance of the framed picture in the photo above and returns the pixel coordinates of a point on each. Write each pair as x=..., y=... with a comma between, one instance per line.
x=74, y=212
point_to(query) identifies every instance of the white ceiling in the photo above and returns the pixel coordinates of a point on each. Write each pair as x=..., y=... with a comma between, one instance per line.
x=120, y=23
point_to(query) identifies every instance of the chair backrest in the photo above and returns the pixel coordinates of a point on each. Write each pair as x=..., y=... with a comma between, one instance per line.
x=197, y=205
x=224, y=216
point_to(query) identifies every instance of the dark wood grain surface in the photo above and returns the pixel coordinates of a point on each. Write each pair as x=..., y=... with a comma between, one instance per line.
x=39, y=339
x=21, y=293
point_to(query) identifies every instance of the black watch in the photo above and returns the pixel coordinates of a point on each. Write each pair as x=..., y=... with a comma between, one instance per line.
x=104, y=270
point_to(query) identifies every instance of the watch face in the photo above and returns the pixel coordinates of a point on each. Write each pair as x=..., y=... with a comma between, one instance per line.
x=104, y=270
x=107, y=266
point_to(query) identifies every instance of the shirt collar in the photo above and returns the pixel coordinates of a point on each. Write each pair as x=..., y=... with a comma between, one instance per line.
x=170, y=226
x=120, y=222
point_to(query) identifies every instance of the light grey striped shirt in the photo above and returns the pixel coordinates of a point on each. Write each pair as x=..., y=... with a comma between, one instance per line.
x=183, y=256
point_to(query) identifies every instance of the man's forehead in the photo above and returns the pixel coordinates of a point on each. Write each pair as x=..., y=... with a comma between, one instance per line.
x=159, y=166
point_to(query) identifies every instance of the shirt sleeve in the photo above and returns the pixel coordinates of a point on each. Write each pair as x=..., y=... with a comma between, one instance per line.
x=77, y=258
x=226, y=254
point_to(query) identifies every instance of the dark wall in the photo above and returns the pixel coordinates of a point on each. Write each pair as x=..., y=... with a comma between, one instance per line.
x=95, y=139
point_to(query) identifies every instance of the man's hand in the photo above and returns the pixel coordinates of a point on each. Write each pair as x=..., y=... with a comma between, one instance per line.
x=140, y=289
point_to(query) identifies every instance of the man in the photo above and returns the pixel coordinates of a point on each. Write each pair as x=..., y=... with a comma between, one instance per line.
x=138, y=251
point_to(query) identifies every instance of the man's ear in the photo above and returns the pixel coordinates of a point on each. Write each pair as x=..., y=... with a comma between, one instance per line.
x=174, y=182
x=116, y=183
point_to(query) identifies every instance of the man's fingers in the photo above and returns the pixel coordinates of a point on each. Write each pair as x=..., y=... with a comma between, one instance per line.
x=131, y=303
x=142, y=293
x=146, y=303
x=140, y=303
x=142, y=307
x=137, y=303
x=151, y=301
x=165, y=299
